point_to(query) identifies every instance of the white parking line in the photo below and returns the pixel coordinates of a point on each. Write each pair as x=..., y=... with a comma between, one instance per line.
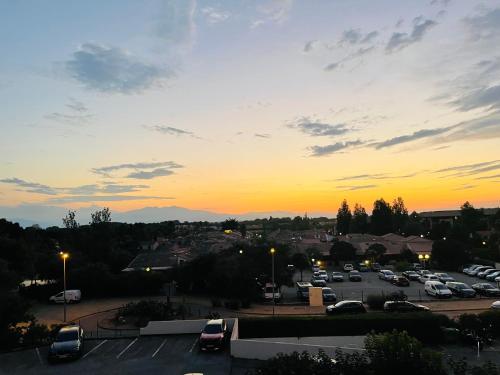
x=194, y=344
x=159, y=348
x=127, y=348
x=39, y=356
x=94, y=348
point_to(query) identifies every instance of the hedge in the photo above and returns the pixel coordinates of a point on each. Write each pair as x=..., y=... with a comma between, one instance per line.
x=424, y=326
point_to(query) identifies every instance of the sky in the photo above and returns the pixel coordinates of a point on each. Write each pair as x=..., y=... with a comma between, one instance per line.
x=249, y=106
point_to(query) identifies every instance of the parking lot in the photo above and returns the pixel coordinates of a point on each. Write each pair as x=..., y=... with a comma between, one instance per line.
x=174, y=354
x=371, y=284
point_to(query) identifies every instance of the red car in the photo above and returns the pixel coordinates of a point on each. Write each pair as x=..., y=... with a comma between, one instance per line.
x=214, y=335
x=400, y=281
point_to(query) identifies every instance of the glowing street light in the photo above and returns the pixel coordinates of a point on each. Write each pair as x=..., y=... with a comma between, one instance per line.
x=64, y=256
x=241, y=251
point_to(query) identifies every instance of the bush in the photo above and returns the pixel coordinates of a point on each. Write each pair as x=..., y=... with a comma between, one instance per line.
x=145, y=311
x=216, y=302
x=232, y=304
x=402, y=266
x=424, y=326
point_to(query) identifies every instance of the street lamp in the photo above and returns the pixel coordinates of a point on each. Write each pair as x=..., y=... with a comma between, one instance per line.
x=272, y=273
x=64, y=256
x=241, y=251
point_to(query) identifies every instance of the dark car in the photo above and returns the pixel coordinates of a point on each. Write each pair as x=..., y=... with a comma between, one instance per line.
x=355, y=276
x=328, y=295
x=400, y=281
x=461, y=289
x=318, y=282
x=346, y=307
x=68, y=344
x=403, y=306
x=486, y=289
x=444, y=277
x=411, y=275
x=214, y=335
x=376, y=267
x=337, y=276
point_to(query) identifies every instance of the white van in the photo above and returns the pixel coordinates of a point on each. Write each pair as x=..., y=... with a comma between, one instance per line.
x=437, y=289
x=268, y=292
x=72, y=296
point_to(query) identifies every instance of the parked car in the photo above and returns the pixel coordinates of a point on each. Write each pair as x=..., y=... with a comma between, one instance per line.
x=492, y=276
x=496, y=305
x=416, y=266
x=466, y=267
x=214, y=335
x=444, y=277
x=72, y=296
x=346, y=307
x=355, y=276
x=318, y=282
x=328, y=295
x=423, y=272
x=315, y=268
x=483, y=274
x=386, y=275
x=337, y=276
x=428, y=277
x=400, y=281
x=323, y=275
x=376, y=267
x=472, y=268
x=486, y=289
x=437, y=289
x=403, y=306
x=460, y=289
x=479, y=269
x=68, y=344
x=348, y=267
x=303, y=290
x=268, y=292
x=411, y=275
x=362, y=267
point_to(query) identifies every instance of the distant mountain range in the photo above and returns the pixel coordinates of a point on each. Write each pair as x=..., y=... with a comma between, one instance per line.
x=46, y=216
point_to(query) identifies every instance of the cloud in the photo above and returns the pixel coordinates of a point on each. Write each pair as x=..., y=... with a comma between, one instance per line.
x=309, y=46
x=352, y=56
x=440, y=2
x=317, y=128
x=355, y=36
x=76, y=105
x=30, y=187
x=318, y=151
x=376, y=176
x=170, y=130
x=160, y=167
x=175, y=23
x=485, y=97
x=484, y=25
x=262, y=135
x=488, y=177
x=68, y=119
x=90, y=189
x=471, y=169
x=356, y=187
x=420, y=134
x=101, y=198
x=214, y=16
x=113, y=70
x=148, y=175
x=465, y=187
x=399, y=41
x=272, y=12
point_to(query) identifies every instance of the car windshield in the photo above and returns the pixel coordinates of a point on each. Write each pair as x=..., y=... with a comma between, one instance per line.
x=327, y=291
x=336, y=274
x=461, y=286
x=443, y=275
x=440, y=286
x=487, y=286
x=353, y=272
x=213, y=329
x=66, y=335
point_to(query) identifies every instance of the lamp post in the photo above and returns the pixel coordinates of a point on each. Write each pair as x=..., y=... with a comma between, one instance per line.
x=423, y=258
x=64, y=256
x=272, y=275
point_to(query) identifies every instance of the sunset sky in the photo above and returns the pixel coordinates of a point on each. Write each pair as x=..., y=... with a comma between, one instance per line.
x=247, y=106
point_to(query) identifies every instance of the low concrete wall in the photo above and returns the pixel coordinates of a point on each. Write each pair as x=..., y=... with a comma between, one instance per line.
x=263, y=349
x=177, y=327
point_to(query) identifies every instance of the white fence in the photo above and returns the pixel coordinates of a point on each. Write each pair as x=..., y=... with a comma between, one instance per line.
x=267, y=348
x=177, y=327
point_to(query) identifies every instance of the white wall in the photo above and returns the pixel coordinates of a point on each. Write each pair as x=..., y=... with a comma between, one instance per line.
x=177, y=327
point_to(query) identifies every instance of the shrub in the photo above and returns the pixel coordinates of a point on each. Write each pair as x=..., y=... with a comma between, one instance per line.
x=232, y=304
x=424, y=326
x=216, y=302
x=147, y=310
x=402, y=266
